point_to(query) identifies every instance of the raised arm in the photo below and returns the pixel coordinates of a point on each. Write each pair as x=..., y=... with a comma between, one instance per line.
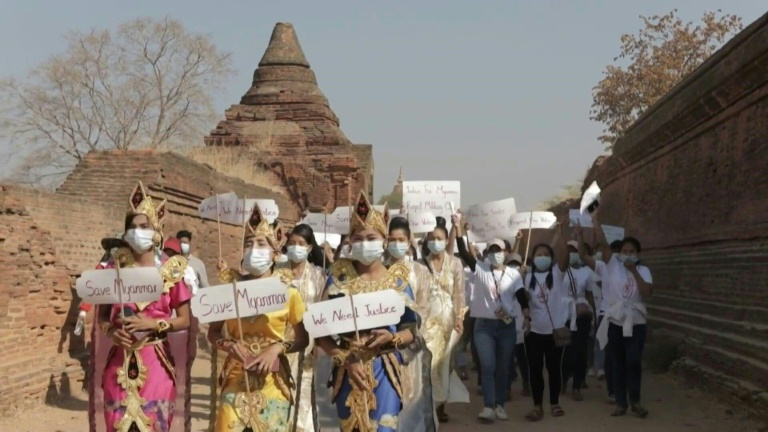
x=561, y=248
x=451, y=240
x=464, y=253
x=585, y=258
x=600, y=236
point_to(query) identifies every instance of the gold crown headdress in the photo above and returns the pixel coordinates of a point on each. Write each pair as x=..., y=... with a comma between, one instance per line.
x=259, y=226
x=142, y=203
x=364, y=216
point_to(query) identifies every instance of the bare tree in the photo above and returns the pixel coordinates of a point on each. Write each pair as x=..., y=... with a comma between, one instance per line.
x=148, y=84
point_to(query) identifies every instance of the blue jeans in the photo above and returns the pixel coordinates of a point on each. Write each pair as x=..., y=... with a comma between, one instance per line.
x=495, y=346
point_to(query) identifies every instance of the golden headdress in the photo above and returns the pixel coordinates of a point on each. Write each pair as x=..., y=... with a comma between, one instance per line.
x=364, y=216
x=142, y=203
x=257, y=225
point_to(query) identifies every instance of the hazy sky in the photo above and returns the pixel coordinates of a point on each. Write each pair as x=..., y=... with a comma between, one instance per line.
x=495, y=94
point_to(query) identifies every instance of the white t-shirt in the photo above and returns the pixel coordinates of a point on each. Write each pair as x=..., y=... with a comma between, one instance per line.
x=585, y=281
x=619, y=285
x=543, y=296
x=484, y=298
x=468, y=283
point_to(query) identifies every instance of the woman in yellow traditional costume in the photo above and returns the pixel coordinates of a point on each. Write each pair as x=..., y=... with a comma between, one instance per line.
x=305, y=264
x=445, y=312
x=262, y=404
x=140, y=383
x=368, y=376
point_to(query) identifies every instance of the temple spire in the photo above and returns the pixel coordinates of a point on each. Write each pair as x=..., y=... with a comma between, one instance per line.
x=284, y=48
x=400, y=177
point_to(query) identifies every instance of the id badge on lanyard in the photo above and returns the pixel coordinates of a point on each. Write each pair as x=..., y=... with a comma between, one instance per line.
x=500, y=312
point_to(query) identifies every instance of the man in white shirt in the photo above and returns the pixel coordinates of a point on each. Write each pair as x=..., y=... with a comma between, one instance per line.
x=185, y=237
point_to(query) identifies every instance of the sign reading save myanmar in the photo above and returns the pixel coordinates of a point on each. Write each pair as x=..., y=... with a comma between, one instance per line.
x=133, y=285
x=254, y=297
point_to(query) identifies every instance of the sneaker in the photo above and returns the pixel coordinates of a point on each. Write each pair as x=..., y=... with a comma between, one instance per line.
x=487, y=415
x=501, y=414
x=591, y=373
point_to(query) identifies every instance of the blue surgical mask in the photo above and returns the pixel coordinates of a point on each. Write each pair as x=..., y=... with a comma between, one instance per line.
x=367, y=252
x=397, y=249
x=542, y=263
x=297, y=254
x=436, y=246
x=496, y=259
x=574, y=259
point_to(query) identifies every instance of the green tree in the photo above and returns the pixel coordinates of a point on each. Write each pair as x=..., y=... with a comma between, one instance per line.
x=657, y=58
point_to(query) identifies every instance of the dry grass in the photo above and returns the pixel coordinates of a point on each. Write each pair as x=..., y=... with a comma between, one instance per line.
x=231, y=162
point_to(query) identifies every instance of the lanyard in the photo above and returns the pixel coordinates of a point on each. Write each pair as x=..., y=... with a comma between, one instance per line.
x=498, y=283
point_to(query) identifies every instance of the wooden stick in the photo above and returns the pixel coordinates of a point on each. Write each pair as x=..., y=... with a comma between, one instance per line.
x=242, y=341
x=242, y=241
x=218, y=223
x=528, y=243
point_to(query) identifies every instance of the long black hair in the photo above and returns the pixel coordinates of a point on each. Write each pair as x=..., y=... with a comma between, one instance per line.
x=305, y=231
x=401, y=223
x=550, y=278
x=442, y=225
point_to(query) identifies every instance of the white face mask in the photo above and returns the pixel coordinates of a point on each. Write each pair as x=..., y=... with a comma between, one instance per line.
x=397, y=249
x=185, y=248
x=140, y=240
x=367, y=251
x=496, y=259
x=257, y=261
x=298, y=254
x=436, y=246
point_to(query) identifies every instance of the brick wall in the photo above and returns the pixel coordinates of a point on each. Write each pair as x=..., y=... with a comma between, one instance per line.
x=47, y=240
x=689, y=180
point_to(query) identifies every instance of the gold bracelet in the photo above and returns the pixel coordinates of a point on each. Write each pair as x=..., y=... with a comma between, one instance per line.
x=163, y=326
x=397, y=340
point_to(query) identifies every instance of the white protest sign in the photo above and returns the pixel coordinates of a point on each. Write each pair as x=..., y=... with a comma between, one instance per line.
x=135, y=285
x=578, y=218
x=332, y=223
x=432, y=196
x=420, y=223
x=532, y=220
x=268, y=208
x=613, y=233
x=491, y=220
x=208, y=206
x=591, y=195
x=333, y=239
x=372, y=310
x=254, y=297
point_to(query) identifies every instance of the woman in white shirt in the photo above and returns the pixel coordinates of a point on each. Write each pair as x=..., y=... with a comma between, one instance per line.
x=496, y=288
x=626, y=286
x=545, y=286
x=580, y=282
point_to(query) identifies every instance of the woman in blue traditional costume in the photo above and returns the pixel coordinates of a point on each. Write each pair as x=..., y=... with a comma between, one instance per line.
x=368, y=376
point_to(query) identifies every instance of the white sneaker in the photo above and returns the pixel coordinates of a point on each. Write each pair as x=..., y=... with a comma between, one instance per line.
x=500, y=413
x=487, y=415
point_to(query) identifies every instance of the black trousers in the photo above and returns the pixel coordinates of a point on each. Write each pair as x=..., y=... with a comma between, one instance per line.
x=542, y=351
x=521, y=364
x=575, y=358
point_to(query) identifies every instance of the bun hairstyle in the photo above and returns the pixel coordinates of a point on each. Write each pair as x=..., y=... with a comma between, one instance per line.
x=441, y=224
x=400, y=223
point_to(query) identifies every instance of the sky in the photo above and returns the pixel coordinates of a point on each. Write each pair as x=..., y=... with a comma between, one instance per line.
x=495, y=94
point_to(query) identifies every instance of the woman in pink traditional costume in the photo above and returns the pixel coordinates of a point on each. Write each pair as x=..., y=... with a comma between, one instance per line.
x=143, y=387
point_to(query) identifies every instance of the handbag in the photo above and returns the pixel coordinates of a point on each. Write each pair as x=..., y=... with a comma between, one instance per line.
x=582, y=309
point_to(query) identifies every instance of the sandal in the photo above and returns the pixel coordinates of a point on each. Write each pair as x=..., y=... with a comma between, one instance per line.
x=619, y=411
x=557, y=411
x=535, y=414
x=639, y=411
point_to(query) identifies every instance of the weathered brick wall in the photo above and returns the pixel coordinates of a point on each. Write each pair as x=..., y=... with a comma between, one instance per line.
x=47, y=240
x=689, y=180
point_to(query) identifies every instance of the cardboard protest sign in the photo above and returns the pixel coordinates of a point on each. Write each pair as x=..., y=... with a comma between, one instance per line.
x=491, y=220
x=334, y=240
x=372, y=310
x=232, y=209
x=419, y=223
x=576, y=217
x=254, y=297
x=133, y=285
x=432, y=196
x=613, y=233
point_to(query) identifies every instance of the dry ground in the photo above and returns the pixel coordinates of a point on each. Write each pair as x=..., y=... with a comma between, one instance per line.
x=672, y=405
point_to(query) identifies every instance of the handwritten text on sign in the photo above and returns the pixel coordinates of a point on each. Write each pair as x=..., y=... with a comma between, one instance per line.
x=491, y=220
x=372, y=310
x=419, y=223
x=533, y=220
x=135, y=285
x=432, y=196
x=255, y=297
x=579, y=218
x=231, y=209
x=336, y=222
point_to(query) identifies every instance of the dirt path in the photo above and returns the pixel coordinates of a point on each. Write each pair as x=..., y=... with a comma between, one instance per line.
x=673, y=408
